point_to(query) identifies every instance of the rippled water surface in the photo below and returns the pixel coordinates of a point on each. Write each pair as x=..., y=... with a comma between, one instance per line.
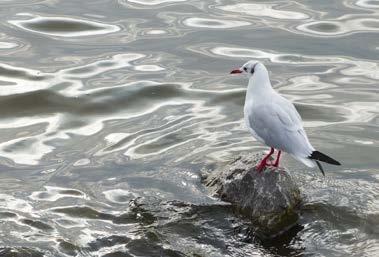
x=110, y=109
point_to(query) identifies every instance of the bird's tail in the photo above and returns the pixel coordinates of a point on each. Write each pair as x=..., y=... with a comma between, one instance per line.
x=311, y=163
x=320, y=168
x=308, y=162
x=318, y=156
x=315, y=158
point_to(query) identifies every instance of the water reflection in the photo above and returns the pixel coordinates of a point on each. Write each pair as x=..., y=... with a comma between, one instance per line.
x=152, y=2
x=264, y=10
x=338, y=28
x=7, y=45
x=213, y=23
x=63, y=26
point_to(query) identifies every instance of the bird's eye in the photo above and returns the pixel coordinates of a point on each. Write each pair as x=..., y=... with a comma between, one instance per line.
x=245, y=69
x=252, y=71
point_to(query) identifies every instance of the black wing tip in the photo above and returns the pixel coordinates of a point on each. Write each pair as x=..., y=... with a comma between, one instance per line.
x=320, y=167
x=318, y=156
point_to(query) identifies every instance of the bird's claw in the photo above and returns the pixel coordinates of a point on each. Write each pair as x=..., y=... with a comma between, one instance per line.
x=261, y=167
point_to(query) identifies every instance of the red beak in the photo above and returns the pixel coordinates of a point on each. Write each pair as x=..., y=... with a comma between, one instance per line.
x=235, y=71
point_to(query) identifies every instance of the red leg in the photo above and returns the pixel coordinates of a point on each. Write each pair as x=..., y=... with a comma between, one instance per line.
x=263, y=163
x=276, y=164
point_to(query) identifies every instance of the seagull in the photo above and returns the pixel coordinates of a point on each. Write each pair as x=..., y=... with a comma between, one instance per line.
x=275, y=122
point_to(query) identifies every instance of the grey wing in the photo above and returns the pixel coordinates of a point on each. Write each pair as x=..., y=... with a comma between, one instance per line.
x=280, y=127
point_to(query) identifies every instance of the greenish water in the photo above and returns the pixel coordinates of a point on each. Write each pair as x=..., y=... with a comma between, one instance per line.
x=110, y=109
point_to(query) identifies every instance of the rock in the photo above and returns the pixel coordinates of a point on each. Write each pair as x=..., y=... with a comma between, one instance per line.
x=269, y=199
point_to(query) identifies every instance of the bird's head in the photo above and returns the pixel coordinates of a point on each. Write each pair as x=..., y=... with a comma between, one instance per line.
x=250, y=68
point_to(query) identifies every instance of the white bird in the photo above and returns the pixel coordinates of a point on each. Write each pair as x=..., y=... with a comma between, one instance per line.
x=274, y=121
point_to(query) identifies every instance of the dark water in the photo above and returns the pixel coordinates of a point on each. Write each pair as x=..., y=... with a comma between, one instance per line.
x=110, y=109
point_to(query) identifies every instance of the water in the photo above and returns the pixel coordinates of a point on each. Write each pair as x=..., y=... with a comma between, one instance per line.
x=110, y=109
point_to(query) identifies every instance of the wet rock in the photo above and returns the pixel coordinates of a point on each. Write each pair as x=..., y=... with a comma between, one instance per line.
x=269, y=199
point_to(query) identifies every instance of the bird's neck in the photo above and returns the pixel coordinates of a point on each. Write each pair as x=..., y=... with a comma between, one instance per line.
x=259, y=87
